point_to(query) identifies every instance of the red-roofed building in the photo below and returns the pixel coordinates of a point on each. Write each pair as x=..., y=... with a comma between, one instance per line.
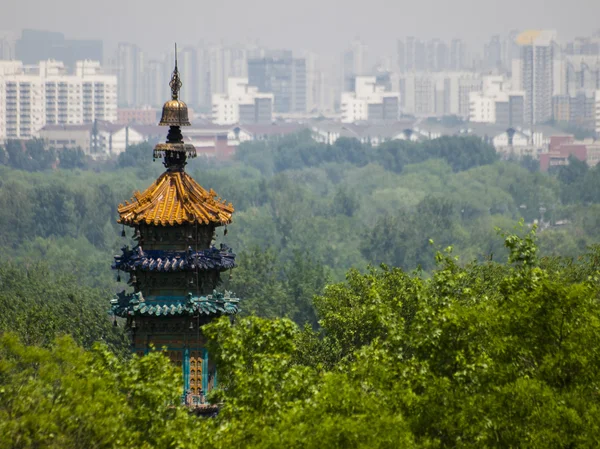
x=557, y=141
x=559, y=151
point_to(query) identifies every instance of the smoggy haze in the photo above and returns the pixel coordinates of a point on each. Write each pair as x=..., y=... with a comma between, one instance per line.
x=325, y=26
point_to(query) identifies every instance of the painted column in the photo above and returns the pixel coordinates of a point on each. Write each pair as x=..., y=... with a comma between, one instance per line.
x=186, y=371
x=204, y=372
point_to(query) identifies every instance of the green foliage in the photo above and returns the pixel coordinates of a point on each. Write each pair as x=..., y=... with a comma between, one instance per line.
x=272, y=287
x=39, y=306
x=482, y=355
x=139, y=155
x=71, y=158
x=64, y=397
x=471, y=354
x=30, y=155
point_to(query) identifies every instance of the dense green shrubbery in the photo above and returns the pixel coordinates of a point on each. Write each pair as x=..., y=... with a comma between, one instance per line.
x=483, y=355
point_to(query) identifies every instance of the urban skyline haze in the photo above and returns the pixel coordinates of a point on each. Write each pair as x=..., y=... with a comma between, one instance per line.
x=322, y=26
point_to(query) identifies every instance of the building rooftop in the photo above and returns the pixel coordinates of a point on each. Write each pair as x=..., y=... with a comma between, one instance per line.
x=175, y=199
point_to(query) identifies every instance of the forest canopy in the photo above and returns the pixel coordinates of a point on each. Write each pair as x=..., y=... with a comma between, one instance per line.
x=360, y=327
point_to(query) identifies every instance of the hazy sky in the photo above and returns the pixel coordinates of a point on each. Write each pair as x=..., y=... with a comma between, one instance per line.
x=323, y=26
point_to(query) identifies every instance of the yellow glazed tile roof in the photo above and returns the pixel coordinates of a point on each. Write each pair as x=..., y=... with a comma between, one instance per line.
x=175, y=198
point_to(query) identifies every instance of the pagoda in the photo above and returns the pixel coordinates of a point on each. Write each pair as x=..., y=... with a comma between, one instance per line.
x=175, y=268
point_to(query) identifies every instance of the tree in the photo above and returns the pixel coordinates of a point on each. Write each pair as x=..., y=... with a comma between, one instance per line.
x=138, y=155
x=71, y=158
x=64, y=397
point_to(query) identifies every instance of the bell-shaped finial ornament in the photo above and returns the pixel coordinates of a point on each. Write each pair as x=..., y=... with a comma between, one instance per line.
x=175, y=111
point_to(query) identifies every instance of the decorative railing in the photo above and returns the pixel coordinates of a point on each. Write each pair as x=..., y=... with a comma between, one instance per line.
x=164, y=261
x=132, y=304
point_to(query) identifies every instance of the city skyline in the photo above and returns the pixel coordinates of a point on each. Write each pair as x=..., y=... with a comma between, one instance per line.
x=325, y=27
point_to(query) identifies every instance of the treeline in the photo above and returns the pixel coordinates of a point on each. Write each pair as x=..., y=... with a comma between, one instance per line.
x=337, y=206
x=300, y=151
x=485, y=354
x=34, y=155
x=38, y=305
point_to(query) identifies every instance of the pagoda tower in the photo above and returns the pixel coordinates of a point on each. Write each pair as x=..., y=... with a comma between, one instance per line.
x=175, y=268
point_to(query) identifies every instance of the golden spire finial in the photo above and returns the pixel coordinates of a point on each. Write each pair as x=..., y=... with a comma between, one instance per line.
x=175, y=83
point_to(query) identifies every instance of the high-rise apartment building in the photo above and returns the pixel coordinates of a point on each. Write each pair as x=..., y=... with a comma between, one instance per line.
x=438, y=55
x=22, y=111
x=354, y=63
x=7, y=46
x=458, y=55
x=401, y=55
x=284, y=76
x=155, y=83
x=536, y=66
x=225, y=62
x=428, y=94
x=492, y=55
x=414, y=55
x=47, y=94
x=510, y=50
x=37, y=45
x=129, y=63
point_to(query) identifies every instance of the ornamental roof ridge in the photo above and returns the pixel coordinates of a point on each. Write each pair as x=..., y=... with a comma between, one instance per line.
x=175, y=198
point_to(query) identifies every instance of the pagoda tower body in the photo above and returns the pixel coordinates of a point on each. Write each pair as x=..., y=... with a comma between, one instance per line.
x=175, y=268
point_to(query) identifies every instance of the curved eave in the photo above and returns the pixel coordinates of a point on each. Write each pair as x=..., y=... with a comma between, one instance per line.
x=175, y=199
x=130, y=305
x=170, y=261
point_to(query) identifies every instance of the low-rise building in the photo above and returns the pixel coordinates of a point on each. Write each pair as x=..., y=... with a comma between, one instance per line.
x=138, y=116
x=99, y=139
x=369, y=102
x=242, y=104
x=560, y=149
x=497, y=103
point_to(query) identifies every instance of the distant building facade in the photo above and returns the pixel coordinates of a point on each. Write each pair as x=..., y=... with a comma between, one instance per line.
x=37, y=45
x=242, y=104
x=99, y=140
x=536, y=74
x=129, y=67
x=497, y=103
x=35, y=96
x=369, y=101
x=282, y=75
x=430, y=94
x=560, y=149
x=598, y=113
x=139, y=116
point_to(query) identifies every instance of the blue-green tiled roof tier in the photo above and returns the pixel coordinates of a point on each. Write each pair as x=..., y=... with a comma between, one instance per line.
x=165, y=261
x=134, y=304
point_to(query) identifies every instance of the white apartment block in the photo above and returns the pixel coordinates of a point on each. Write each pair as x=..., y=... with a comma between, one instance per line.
x=431, y=94
x=482, y=107
x=496, y=103
x=22, y=105
x=31, y=97
x=369, y=102
x=242, y=104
